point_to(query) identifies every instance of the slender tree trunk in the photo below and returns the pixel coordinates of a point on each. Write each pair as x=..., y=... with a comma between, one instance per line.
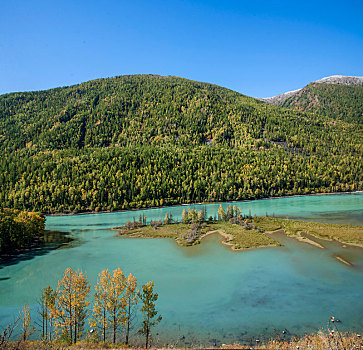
x=46, y=323
x=43, y=320
x=147, y=337
x=104, y=325
x=114, y=329
x=75, y=331
x=70, y=320
x=128, y=325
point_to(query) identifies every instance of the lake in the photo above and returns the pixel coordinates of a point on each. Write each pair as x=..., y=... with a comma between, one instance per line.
x=207, y=293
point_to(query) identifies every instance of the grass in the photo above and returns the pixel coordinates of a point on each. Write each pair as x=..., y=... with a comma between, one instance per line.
x=343, y=233
x=242, y=238
x=251, y=234
x=235, y=235
x=179, y=232
x=319, y=341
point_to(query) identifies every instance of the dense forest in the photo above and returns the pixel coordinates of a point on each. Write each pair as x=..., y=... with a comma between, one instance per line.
x=19, y=229
x=144, y=140
x=337, y=101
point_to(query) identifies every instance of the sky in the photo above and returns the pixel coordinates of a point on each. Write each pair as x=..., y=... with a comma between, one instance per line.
x=258, y=47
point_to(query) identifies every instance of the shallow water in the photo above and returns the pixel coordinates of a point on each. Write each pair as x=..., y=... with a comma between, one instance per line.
x=208, y=293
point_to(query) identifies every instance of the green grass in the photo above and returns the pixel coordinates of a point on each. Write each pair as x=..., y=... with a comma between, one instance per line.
x=240, y=237
x=244, y=238
x=342, y=233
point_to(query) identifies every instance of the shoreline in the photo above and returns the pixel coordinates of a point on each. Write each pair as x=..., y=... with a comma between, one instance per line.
x=227, y=238
x=301, y=236
x=307, y=240
x=199, y=203
x=303, y=239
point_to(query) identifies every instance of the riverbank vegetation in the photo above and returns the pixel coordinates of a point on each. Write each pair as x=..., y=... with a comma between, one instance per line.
x=65, y=312
x=144, y=141
x=321, y=341
x=19, y=230
x=239, y=231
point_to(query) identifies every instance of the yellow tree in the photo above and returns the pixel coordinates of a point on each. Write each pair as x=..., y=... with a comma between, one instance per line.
x=47, y=311
x=71, y=303
x=148, y=298
x=131, y=293
x=26, y=320
x=116, y=302
x=100, y=313
x=185, y=217
x=221, y=213
x=201, y=216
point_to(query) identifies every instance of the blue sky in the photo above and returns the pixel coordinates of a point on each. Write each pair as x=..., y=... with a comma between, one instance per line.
x=259, y=48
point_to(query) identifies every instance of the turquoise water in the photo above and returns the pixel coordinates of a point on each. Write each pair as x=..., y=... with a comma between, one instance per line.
x=208, y=293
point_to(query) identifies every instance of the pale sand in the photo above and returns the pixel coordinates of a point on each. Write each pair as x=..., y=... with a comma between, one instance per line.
x=346, y=262
x=228, y=238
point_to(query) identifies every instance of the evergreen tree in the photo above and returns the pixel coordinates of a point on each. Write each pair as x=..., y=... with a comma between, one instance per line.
x=148, y=299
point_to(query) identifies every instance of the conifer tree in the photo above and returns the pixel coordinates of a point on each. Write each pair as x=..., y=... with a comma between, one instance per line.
x=167, y=219
x=184, y=216
x=47, y=311
x=221, y=213
x=201, y=216
x=116, y=302
x=25, y=317
x=148, y=298
x=100, y=309
x=131, y=302
x=71, y=303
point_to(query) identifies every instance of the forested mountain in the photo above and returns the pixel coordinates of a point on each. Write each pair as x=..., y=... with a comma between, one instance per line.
x=143, y=140
x=337, y=101
x=339, y=97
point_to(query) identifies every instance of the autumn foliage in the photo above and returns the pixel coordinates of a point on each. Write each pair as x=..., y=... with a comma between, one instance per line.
x=64, y=311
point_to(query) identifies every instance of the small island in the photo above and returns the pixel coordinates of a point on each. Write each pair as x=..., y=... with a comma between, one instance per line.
x=239, y=231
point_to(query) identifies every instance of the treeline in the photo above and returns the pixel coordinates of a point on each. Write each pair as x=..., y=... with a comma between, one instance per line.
x=122, y=178
x=337, y=101
x=66, y=310
x=19, y=229
x=141, y=141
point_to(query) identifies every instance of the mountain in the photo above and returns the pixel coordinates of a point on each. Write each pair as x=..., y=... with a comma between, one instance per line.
x=148, y=140
x=342, y=79
x=339, y=97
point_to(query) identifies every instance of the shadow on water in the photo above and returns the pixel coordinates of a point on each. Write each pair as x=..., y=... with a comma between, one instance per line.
x=50, y=241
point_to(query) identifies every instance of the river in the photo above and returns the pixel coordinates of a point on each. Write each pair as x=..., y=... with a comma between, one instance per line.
x=207, y=293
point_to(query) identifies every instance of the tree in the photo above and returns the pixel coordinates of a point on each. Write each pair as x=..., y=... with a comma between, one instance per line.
x=71, y=303
x=192, y=215
x=221, y=213
x=100, y=313
x=26, y=320
x=167, y=220
x=201, y=216
x=47, y=311
x=148, y=298
x=185, y=217
x=230, y=212
x=116, y=302
x=131, y=302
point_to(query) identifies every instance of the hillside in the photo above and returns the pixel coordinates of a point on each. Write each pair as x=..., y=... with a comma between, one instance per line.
x=337, y=101
x=338, y=97
x=145, y=140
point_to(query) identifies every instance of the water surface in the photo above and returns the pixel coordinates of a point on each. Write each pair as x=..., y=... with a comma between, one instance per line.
x=208, y=293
